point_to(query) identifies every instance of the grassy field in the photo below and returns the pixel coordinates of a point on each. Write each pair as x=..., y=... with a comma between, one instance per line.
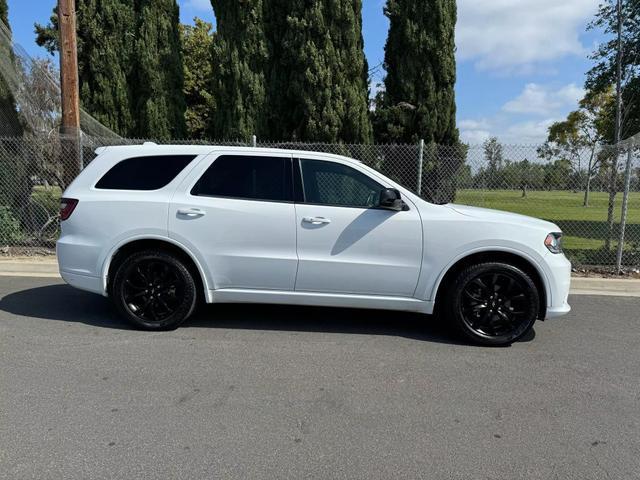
x=585, y=227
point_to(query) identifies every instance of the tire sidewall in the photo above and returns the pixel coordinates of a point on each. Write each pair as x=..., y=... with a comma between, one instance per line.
x=174, y=320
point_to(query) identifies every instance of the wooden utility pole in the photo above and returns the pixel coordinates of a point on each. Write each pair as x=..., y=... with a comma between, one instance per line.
x=69, y=89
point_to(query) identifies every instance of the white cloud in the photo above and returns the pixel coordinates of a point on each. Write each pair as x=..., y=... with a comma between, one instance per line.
x=544, y=100
x=474, y=137
x=474, y=131
x=512, y=35
x=528, y=132
x=200, y=5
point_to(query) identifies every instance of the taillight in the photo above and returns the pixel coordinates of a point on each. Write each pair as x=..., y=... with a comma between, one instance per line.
x=67, y=205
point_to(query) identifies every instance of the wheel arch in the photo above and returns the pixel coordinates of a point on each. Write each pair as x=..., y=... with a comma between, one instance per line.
x=525, y=264
x=120, y=252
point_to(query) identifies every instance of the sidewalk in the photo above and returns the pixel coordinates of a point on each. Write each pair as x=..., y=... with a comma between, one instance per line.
x=48, y=267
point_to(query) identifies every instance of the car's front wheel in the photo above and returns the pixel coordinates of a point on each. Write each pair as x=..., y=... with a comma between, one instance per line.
x=493, y=303
x=154, y=290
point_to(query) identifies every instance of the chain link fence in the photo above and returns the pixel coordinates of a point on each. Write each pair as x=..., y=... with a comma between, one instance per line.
x=582, y=189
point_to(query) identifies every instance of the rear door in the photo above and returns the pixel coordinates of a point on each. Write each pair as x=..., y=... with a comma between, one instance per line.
x=345, y=243
x=237, y=212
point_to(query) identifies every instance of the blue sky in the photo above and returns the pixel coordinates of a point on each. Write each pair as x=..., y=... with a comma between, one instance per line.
x=521, y=63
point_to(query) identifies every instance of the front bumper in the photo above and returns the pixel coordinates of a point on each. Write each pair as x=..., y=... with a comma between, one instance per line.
x=559, y=273
x=553, y=312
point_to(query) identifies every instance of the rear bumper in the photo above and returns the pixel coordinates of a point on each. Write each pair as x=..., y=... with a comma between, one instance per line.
x=83, y=282
x=77, y=262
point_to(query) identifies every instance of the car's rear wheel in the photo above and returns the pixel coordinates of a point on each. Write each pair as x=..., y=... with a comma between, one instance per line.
x=154, y=290
x=493, y=303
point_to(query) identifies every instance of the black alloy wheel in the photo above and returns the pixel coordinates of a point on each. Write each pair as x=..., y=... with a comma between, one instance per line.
x=494, y=303
x=154, y=290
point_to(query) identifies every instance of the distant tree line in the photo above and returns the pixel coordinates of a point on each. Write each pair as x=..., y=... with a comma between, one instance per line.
x=574, y=171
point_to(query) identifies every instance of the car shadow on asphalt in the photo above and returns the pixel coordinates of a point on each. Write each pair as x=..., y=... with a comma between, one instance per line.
x=67, y=304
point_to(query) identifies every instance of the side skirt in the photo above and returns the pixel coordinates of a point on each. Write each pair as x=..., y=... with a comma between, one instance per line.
x=238, y=295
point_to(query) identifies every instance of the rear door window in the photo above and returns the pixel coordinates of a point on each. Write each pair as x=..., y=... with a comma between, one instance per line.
x=247, y=177
x=144, y=173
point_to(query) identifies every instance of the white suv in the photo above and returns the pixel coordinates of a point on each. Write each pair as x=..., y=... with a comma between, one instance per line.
x=158, y=227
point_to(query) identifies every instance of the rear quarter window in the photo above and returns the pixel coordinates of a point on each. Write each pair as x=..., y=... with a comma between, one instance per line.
x=144, y=173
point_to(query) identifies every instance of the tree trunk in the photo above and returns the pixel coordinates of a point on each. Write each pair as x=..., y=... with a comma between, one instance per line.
x=587, y=188
x=613, y=190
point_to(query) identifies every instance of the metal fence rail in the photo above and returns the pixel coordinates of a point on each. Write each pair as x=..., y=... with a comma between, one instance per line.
x=592, y=193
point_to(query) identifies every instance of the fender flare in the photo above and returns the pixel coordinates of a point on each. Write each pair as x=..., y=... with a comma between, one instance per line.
x=111, y=253
x=500, y=249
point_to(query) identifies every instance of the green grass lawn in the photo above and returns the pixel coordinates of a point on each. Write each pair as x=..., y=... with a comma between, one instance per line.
x=585, y=228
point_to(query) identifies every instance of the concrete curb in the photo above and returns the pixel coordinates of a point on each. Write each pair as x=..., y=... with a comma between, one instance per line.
x=37, y=267
x=625, y=287
x=47, y=267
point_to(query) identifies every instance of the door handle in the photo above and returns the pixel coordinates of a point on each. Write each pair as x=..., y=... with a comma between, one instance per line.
x=316, y=220
x=191, y=212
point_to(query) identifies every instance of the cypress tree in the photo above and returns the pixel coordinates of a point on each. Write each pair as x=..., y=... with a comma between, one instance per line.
x=106, y=29
x=159, y=77
x=129, y=64
x=197, y=42
x=10, y=125
x=238, y=71
x=418, y=99
x=317, y=78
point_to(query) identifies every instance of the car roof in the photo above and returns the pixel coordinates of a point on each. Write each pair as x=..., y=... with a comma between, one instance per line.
x=149, y=148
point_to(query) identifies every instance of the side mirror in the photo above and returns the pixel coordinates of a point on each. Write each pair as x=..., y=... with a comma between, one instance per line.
x=391, y=200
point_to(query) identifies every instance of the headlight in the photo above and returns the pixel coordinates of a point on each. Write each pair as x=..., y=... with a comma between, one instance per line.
x=554, y=242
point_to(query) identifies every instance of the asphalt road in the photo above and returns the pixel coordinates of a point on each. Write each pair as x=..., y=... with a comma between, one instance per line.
x=273, y=392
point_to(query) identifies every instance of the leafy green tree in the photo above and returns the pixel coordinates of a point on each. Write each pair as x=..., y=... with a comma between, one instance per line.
x=4, y=12
x=557, y=174
x=129, y=64
x=106, y=35
x=317, y=73
x=604, y=74
x=240, y=57
x=580, y=137
x=493, y=155
x=197, y=42
x=418, y=100
x=10, y=124
x=106, y=32
x=158, y=76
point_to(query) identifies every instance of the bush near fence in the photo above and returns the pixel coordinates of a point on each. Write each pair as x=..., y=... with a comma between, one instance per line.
x=32, y=178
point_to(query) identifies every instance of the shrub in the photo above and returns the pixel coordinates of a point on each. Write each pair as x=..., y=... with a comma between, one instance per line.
x=10, y=232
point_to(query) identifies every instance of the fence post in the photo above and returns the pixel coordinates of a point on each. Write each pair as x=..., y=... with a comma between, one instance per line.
x=625, y=202
x=81, y=152
x=420, y=161
x=254, y=141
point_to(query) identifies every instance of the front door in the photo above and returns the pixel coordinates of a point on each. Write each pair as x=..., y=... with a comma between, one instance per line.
x=348, y=245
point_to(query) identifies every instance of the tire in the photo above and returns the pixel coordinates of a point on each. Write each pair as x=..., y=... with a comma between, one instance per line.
x=154, y=290
x=492, y=304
